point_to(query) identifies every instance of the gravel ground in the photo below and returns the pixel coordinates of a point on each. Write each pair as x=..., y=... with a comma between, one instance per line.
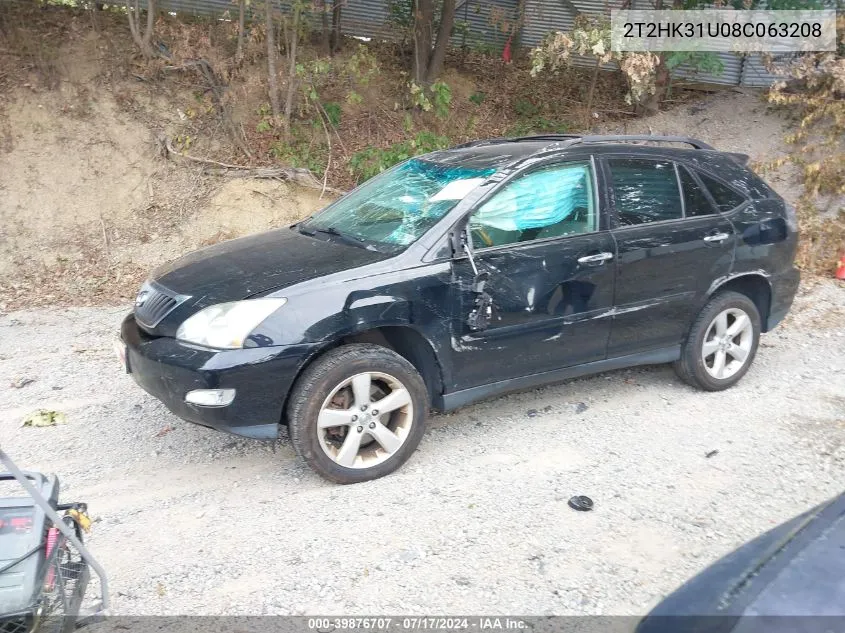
x=193, y=521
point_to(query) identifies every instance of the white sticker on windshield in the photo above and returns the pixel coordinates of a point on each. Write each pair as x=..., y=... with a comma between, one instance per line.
x=457, y=189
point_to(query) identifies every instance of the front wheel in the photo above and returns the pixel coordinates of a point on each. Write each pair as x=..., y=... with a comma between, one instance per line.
x=357, y=413
x=721, y=344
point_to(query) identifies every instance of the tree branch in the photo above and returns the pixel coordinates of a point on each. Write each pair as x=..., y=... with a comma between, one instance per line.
x=272, y=76
x=217, y=90
x=296, y=175
x=329, y=160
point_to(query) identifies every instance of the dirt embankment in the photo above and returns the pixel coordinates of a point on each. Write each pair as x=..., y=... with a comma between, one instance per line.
x=89, y=205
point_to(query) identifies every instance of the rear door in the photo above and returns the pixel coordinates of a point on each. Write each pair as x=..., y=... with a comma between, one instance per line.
x=671, y=245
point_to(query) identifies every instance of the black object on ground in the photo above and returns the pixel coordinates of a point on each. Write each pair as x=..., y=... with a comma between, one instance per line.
x=581, y=503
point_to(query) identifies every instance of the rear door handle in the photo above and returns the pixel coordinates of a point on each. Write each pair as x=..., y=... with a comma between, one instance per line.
x=598, y=258
x=718, y=237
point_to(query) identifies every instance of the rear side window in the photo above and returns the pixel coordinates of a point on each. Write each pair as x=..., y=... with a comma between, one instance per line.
x=645, y=191
x=696, y=202
x=725, y=197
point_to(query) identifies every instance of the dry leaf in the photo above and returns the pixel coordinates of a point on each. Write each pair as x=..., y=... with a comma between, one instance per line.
x=44, y=417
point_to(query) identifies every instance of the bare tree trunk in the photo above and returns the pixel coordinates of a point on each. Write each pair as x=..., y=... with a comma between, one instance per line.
x=447, y=21
x=142, y=40
x=651, y=103
x=132, y=13
x=592, y=93
x=95, y=20
x=272, y=75
x=292, y=82
x=520, y=22
x=326, y=35
x=239, y=54
x=337, y=7
x=423, y=26
x=151, y=20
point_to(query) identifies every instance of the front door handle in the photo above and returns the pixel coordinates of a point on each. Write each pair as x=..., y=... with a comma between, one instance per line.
x=718, y=237
x=598, y=258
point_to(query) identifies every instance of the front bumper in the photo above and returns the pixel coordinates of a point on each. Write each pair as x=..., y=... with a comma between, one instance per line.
x=262, y=377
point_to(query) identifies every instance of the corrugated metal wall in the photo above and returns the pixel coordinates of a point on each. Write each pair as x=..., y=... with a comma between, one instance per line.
x=208, y=8
x=545, y=16
x=483, y=25
x=366, y=18
x=754, y=72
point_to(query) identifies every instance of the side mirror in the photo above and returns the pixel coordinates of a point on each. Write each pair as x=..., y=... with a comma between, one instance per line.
x=482, y=312
x=480, y=281
x=479, y=318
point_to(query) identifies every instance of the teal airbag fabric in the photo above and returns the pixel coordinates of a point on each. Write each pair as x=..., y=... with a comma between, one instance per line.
x=538, y=200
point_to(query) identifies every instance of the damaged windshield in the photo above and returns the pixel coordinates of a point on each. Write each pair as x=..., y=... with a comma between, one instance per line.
x=395, y=208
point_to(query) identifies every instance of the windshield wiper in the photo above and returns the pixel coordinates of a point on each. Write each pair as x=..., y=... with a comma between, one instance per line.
x=343, y=237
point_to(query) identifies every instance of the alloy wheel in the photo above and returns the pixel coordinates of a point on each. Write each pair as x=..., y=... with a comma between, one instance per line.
x=365, y=420
x=727, y=343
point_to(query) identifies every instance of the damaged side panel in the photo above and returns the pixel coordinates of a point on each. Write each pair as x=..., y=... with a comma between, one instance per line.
x=327, y=310
x=547, y=309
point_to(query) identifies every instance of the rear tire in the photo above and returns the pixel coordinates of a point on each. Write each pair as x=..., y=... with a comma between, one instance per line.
x=357, y=413
x=722, y=343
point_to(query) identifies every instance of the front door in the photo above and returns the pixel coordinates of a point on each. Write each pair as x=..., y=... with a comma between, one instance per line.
x=672, y=244
x=548, y=260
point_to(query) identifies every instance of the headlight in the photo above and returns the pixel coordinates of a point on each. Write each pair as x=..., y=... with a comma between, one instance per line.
x=227, y=325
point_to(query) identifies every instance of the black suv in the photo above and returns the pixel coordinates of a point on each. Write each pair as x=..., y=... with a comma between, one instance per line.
x=462, y=274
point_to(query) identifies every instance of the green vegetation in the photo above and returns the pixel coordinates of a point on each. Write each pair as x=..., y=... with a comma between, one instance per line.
x=477, y=98
x=371, y=161
x=436, y=99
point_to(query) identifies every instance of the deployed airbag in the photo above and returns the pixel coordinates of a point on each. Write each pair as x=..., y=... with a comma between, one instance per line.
x=537, y=200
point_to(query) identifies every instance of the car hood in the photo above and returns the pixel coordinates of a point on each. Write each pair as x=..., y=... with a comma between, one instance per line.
x=245, y=267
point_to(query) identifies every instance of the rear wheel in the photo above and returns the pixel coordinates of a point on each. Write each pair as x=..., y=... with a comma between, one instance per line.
x=721, y=344
x=357, y=413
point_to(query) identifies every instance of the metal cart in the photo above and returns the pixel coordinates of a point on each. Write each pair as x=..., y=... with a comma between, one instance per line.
x=45, y=569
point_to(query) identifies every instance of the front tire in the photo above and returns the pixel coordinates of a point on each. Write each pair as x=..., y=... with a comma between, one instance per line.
x=722, y=343
x=357, y=413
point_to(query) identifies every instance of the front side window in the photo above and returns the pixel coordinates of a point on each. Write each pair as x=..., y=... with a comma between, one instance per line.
x=725, y=197
x=645, y=191
x=397, y=207
x=549, y=202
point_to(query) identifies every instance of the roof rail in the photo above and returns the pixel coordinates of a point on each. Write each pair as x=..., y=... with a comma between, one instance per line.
x=516, y=139
x=547, y=137
x=625, y=138
x=483, y=141
x=574, y=139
